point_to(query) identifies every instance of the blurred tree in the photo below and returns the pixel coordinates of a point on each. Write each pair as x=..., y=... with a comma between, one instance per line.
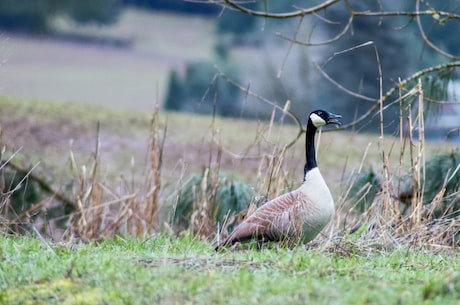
x=188, y=7
x=370, y=51
x=26, y=15
x=93, y=11
x=202, y=90
x=234, y=22
x=358, y=69
x=33, y=16
x=176, y=95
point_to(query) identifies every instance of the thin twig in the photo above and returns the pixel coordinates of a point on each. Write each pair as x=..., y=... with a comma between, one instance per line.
x=321, y=43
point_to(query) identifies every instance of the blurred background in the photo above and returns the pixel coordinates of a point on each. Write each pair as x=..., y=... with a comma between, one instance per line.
x=135, y=53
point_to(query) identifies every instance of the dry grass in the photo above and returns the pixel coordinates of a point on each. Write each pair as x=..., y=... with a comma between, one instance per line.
x=140, y=205
x=129, y=209
x=388, y=221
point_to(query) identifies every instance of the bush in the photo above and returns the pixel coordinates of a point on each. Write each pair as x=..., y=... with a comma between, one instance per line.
x=364, y=189
x=443, y=172
x=220, y=199
x=442, y=177
x=21, y=192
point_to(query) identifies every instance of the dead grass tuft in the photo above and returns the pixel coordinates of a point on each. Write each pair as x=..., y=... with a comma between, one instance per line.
x=126, y=209
x=384, y=213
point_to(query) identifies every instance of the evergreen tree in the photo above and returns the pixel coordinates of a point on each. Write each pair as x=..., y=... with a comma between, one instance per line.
x=33, y=16
x=175, y=96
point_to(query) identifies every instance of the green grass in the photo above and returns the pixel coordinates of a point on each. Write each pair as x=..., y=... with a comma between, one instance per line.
x=164, y=270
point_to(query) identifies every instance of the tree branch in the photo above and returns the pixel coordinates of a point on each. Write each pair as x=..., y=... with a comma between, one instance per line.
x=406, y=14
x=320, y=7
x=427, y=40
x=321, y=43
x=296, y=13
x=389, y=93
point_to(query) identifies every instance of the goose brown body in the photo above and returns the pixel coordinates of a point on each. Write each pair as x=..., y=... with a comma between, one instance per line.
x=298, y=216
x=292, y=218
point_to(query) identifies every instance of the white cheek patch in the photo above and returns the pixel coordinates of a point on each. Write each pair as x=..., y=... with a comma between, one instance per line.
x=317, y=120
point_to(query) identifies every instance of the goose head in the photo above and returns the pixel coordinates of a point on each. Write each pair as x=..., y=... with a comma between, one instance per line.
x=321, y=118
x=317, y=119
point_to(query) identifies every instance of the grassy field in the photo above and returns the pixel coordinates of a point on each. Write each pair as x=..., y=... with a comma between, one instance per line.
x=103, y=159
x=164, y=270
x=371, y=265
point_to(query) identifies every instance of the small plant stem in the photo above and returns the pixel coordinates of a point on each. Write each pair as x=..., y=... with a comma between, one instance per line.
x=421, y=151
x=385, y=162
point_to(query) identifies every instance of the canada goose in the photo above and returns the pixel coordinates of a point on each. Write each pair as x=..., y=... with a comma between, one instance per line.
x=297, y=216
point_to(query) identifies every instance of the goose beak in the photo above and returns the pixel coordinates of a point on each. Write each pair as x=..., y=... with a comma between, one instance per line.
x=334, y=119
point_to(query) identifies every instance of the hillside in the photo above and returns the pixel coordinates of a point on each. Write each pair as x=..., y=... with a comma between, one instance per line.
x=125, y=65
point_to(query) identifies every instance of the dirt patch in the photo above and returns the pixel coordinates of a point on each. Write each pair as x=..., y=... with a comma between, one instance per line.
x=28, y=134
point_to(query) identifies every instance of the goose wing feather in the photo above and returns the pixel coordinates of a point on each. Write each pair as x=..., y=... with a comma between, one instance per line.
x=275, y=220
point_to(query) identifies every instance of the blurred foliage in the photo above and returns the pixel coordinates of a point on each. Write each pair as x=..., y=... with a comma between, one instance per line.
x=201, y=90
x=443, y=172
x=18, y=195
x=442, y=176
x=21, y=192
x=189, y=7
x=357, y=69
x=439, y=30
x=176, y=92
x=224, y=197
x=435, y=92
x=93, y=11
x=401, y=52
x=25, y=14
x=238, y=24
x=364, y=189
x=33, y=16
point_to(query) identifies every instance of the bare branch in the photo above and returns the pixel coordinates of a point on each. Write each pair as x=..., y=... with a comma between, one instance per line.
x=341, y=87
x=427, y=40
x=247, y=91
x=313, y=10
x=272, y=104
x=406, y=14
x=388, y=94
x=289, y=48
x=321, y=43
x=296, y=13
x=421, y=73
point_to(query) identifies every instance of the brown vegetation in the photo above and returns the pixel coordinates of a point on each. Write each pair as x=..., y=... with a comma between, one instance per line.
x=140, y=206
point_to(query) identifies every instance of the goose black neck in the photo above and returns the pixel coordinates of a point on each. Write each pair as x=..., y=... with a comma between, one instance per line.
x=310, y=148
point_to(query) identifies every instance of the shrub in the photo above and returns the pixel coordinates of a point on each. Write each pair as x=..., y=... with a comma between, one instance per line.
x=365, y=187
x=442, y=173
x=19, y=192
x=441, y=186
x=212, y=200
